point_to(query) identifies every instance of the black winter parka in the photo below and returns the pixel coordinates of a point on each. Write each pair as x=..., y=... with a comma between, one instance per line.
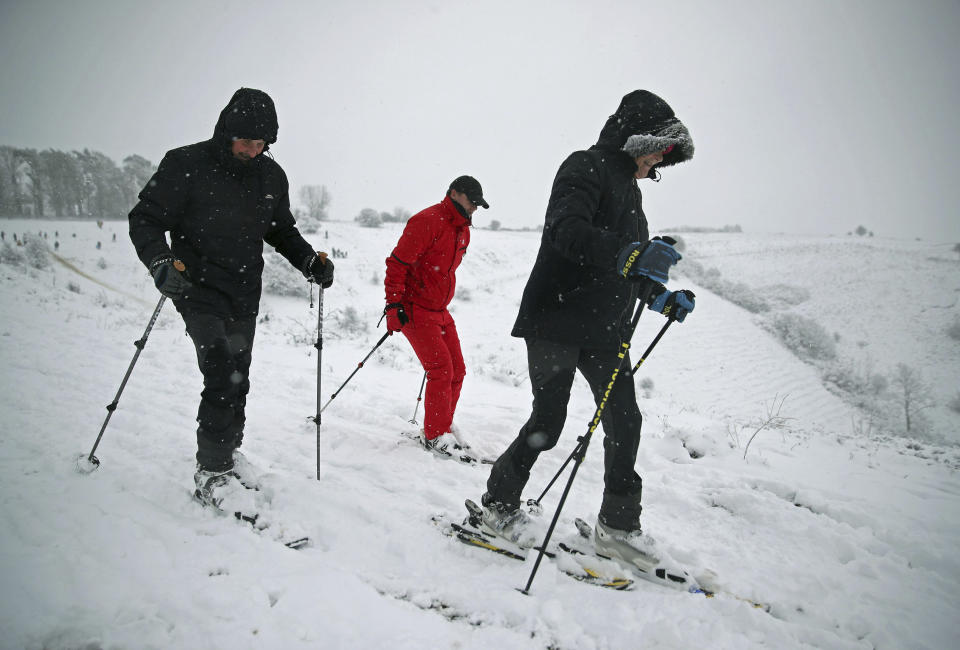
x=219, y=211
x=574, y=295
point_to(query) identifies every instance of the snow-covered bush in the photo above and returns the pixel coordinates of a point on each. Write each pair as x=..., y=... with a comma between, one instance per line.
x=369, y=218
x=36, y=252
x=804, y=337
x=101, y=263
x=782, y=296
x=859, y=387
x=346, y=323
x=281, y=279
x=736, y=292
x=11, y=255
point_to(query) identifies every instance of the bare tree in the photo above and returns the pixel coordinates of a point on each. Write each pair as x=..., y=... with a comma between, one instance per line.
x=773, y=421
x=316, y=199
x=914, y=393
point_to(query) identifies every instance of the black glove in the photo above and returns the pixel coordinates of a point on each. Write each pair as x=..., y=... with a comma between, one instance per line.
x=168, y=276
x=396, y=316
x=320, y=270
x=649, y=260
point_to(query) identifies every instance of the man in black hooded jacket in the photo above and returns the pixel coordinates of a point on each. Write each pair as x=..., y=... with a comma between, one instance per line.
x=576, y=307
x=220, y=200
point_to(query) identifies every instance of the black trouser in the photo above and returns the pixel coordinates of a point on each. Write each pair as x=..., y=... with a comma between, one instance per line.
x=223, y=352
x=552, y=367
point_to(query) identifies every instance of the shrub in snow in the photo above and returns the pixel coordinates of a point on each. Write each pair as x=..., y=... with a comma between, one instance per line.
x=781, y=296
x=369, y=218
x=73, y=286
x=281, y=279
x=736, y=292
x=347, y=323
x=37, y=253
x=858, y=382
x=804, y=337
x=11, y=255
x=101, y=263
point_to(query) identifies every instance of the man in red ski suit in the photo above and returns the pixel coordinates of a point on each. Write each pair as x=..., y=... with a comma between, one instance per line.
x=420, y=282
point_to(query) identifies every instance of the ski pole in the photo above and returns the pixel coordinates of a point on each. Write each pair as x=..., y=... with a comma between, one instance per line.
x=584, y=441
x=92, y=462
x=359, y=365
x=319, y=346
x=535, y=503
x=413, y=420
x=656, y=340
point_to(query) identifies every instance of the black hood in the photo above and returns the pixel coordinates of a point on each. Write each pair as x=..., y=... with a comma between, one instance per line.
x=644, y=123
x=249, y=114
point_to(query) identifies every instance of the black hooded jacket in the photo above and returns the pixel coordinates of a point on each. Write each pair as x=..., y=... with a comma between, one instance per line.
x=574, y=295
x=219, y=211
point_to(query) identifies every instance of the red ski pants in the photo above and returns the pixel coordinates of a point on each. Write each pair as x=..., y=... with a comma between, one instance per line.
x=433, y=336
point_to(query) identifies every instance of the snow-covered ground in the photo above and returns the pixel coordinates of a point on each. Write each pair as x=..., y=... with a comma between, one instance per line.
x=850, y=539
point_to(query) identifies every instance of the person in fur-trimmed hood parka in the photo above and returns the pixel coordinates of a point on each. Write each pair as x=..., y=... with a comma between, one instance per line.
x=574, y=311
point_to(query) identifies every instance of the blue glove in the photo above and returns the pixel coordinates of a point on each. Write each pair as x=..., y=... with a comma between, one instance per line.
x=673, y=304
x=648, y=260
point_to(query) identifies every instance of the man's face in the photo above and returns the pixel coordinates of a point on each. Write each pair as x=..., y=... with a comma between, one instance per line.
x=646, y=163
x=246, y=150
x=464, y=202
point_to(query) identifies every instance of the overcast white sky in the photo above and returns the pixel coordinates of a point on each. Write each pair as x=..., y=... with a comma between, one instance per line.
x=812, y=116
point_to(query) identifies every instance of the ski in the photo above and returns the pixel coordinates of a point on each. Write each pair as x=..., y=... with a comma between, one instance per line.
x=470, y=533
x=295, y=543
x=463, y=455
x=670, y=578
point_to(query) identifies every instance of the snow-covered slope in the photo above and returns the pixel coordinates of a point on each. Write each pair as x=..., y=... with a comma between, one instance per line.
x=850, y=540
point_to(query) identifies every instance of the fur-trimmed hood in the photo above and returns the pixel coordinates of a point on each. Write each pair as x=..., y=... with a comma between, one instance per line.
x=644, y=123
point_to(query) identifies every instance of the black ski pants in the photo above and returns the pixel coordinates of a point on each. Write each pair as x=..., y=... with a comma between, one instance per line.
x=552, y=367
x=224, y=348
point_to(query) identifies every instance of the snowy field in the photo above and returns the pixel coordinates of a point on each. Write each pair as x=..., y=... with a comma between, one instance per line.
x=850, y=536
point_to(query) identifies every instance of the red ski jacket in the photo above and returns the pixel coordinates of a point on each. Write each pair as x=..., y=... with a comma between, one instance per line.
x=422, y=269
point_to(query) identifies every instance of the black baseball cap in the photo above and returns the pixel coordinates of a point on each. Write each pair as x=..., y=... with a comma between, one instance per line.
x=471, y=187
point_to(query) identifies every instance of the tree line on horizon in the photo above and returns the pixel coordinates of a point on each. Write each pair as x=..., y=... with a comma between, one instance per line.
x=60, y=184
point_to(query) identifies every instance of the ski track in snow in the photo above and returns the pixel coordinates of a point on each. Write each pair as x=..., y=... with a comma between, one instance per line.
x=851, y=541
